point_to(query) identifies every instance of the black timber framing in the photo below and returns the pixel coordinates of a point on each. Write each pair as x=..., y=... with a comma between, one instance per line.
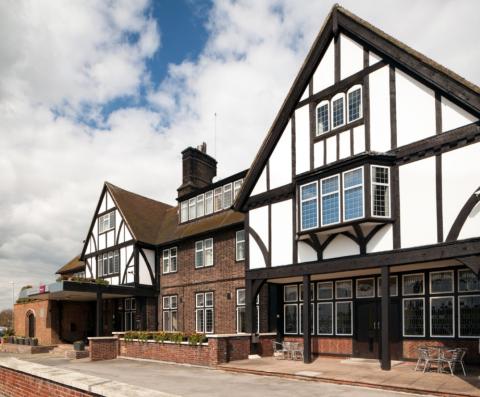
x=307, y=315
x=448, y=250
x=99, y=310
x=385, y=318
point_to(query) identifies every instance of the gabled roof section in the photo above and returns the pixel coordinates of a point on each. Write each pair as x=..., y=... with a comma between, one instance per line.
x=74, y=265
x=392, y=50
x=142, y=214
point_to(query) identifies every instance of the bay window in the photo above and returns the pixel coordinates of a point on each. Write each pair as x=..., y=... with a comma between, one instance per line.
x=380, y=191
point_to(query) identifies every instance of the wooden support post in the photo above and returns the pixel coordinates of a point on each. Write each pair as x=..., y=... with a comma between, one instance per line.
x=385, y=330
x=306, y=320
x=99, y=314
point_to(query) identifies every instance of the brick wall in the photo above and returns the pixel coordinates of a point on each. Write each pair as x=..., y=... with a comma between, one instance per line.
x=19, y=384
x=74, y=326
x=46, y=320
x=326, y=345
x=103, y=348
x=410, y=347
x=223, y=278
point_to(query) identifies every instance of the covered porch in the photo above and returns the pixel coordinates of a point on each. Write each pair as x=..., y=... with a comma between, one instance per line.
x=381, y=306
x=77, y=310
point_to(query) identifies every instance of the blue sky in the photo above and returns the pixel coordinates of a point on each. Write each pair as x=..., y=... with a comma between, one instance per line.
x=95, y=91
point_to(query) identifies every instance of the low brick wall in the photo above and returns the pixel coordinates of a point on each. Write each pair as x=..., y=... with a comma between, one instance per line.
x=19, y=384
x=410, y=347
x=14, y=348
x=326, y=345
x=103, y=348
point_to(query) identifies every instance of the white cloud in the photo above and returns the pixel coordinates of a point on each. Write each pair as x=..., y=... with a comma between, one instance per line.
x=62, y=62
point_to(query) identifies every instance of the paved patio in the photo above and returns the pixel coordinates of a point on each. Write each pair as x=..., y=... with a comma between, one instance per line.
x=366, y=373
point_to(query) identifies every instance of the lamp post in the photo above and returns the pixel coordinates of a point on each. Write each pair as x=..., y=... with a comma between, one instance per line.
x=13, y=303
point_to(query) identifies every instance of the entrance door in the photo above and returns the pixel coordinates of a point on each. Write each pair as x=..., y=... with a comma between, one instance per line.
x=31, y=325
x=367, y=329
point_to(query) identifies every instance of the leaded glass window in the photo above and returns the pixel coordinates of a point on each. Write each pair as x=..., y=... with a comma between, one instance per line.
x=325, y=290
x=330, y=200
x=325, y=318
x=291, y=318
x=343, y=289
x=468, y=281
x=469, y=316
x=413, y=284
x=441, y=316
x=309, y=206
x=441, y=282
x=380, y=191
x=343, y=319
x=353, y=194
x=338, y=112
x=414, y=317
x=365, y=288
x=354, y=104
x=323, y=124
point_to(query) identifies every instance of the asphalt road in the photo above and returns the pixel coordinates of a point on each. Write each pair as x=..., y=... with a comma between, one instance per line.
x=190, y=381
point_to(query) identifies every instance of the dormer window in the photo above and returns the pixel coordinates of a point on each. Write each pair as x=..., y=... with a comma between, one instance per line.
x=338, y=110
x=106, y=222
x=184, y=211
x=354, y=103
x=200, y=205
x=227, y=195
x=209, y=202
x=192, y=208
x=218, y=199
x=323, y=124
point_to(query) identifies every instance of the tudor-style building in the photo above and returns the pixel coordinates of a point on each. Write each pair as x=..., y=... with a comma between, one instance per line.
x=366, y=190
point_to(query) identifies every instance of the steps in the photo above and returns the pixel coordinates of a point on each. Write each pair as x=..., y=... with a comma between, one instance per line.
x=66, y=350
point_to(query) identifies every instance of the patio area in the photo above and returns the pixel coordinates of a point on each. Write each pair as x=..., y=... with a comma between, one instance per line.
x=364, y=372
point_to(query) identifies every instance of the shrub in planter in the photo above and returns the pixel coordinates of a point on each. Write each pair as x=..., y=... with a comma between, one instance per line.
x=196, y=339
x=161, y=337
x=176, y=337
x=79, y=346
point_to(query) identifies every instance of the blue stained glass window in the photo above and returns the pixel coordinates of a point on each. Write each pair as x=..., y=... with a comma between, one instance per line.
x=309, y=206
x=354, y=104
x=353, y=194
x=330, y=200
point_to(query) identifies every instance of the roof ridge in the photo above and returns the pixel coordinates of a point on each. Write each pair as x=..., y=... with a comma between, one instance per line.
x=417, y=54
x=112, y=186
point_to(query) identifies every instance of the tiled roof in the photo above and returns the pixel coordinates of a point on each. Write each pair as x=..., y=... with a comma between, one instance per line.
x=74, y=265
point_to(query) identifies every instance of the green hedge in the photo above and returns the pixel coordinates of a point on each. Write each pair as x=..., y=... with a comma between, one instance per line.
x=161, y=337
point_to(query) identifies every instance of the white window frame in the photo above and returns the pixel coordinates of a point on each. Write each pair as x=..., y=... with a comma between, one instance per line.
x=285, y=319
x=203, y=308
x=106, y=218
x=207, y=245
x=285, y=293
x=237, y=185
x=442, y=292
x=336, y=97
x=403, y=284
x=331, y=290
x=108, y=261
x=227, y=190
x=321, y=104
x=184, y=211
x=379, y=289
x=380, y=184
x=238, y=242
x=351, y=188
x=169, y=308
x=200, y=205
x=321, y=195
x=332, y=322
x=453, y=316
x=192, y=208
x=239, y=307
x=351, y=318
x=351, y=289
x=308, y=200
x=403, y=317
x=167, y=256
x=458, y=282
x=166, y=261
x=218, y=192
x=365, y=279
x=354, y=88
x=209, y=198
x=300, y=320
x=459, y=319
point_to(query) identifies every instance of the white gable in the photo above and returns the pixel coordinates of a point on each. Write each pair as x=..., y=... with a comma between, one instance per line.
x=454, y=116
x=324, y=76
x=351, y=56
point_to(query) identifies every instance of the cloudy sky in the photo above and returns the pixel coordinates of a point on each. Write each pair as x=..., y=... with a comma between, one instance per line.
x=114, y=90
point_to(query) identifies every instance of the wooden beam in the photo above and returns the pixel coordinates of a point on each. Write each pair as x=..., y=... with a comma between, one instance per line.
x=451, y=250
x=99, y=324
x=307, y=347
x=385, y=329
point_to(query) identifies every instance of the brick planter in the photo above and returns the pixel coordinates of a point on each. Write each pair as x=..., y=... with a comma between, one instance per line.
x=24, y=349
x=103, y=348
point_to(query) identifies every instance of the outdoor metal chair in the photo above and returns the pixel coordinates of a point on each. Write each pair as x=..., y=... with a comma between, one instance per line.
x=297, y=351
x=452, y=358
x=279, y=350
x=425, y=358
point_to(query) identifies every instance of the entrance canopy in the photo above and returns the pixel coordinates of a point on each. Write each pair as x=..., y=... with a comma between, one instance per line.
x=83, y=291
